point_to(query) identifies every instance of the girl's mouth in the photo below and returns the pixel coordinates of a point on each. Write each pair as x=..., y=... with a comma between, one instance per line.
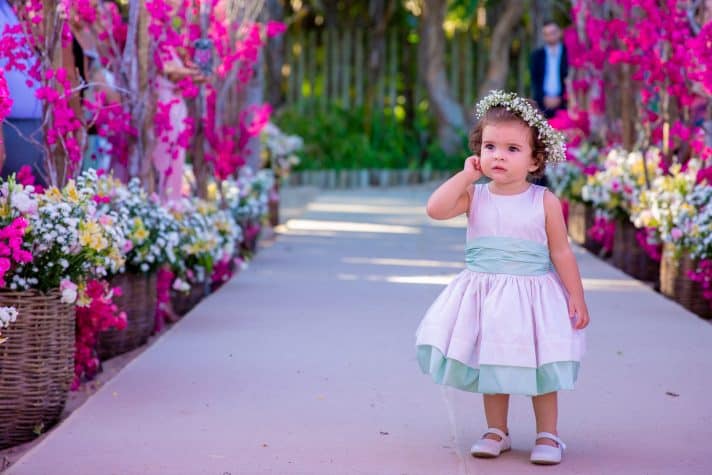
x=498, y=168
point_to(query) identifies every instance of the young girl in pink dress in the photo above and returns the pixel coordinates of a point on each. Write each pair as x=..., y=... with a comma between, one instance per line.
x=512, y=321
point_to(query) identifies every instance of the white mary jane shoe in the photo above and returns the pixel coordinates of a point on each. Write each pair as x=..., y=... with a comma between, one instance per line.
x=489, y=448
x=546, y=454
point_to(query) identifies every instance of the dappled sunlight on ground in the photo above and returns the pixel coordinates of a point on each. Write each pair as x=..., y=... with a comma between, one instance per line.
x=348, y=226
x=615, y=285
x=401, y=262
x=402, y=279
x=365, y=209
x=457, y=222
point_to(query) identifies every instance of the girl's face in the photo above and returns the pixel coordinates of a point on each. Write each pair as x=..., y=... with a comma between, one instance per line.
x=506, y=155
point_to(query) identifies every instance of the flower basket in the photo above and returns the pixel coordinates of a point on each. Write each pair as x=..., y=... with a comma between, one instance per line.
x=273, y=205
x=630, y=257
x=36, y=364
x=274, y=213
x=251, y=238
x=642, y=266
x=184, y=302
x=138, y=299
x=675, y=283
x=623, y=244
x=580, y=219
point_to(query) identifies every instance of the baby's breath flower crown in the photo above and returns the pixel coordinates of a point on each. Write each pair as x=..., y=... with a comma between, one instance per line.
x=553, y=140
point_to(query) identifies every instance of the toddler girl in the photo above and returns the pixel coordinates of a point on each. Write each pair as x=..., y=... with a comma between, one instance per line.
x=512, y=321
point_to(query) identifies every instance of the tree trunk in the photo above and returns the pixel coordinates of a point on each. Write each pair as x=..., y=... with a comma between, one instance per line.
x=543, y=10
x=448, y=113
x=331, y=19
x=55, y=56
x=254, y=98
x=274, y=55
x=502, y=36
x=145, y=93
x=379, y=12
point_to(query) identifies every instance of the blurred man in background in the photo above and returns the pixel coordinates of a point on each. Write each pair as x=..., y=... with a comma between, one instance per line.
x=549, y=68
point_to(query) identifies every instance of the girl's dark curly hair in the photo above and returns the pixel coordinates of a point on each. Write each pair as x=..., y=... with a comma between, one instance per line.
x=498, y=115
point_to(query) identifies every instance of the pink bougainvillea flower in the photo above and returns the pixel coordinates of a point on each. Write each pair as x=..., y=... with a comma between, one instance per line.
x=275, y=28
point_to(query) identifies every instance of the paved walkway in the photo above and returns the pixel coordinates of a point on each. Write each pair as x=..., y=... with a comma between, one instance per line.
x=305, y=364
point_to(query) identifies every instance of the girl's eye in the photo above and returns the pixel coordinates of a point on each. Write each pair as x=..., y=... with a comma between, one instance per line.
x=489, y=146
x=513, y=149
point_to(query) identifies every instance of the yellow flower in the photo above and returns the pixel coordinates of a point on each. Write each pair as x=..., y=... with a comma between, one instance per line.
x=83, y=300
x=117, y=258
x=212, y=191
x=90, y=235
x=72, y=193
x=53, y=194
x=140, y=234
x=205, y=208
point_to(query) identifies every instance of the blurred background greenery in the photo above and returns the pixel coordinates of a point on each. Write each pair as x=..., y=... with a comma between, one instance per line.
x=393, y=83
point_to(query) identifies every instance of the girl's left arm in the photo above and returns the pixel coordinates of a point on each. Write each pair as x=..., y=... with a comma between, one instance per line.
x=563, y=259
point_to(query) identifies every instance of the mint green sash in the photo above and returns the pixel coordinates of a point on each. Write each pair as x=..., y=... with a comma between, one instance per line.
x=506, y=255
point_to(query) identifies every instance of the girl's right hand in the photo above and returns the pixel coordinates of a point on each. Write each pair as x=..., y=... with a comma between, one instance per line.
x=472, y=167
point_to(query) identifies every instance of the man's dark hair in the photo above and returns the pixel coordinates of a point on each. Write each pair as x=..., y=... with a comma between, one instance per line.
x=548, y=22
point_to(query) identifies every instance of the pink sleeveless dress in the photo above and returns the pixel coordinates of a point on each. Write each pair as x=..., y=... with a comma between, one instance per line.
x=502, y=324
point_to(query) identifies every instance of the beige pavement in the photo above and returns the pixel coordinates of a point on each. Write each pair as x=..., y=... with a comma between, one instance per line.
x=305, y=364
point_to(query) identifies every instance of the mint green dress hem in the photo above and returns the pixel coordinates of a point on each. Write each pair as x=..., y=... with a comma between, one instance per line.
x=496, y=379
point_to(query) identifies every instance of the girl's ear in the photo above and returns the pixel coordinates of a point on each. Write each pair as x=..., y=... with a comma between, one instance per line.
x=533, y=166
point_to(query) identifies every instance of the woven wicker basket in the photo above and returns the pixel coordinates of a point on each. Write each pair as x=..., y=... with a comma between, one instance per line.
x=138, y=300
x=641, y=266
x=675, y=283
x=183, y=302
x=274, y=206
x=36, y=364
x=274, y=213
x=249, y=245
x=623, y=242
x=580, y=219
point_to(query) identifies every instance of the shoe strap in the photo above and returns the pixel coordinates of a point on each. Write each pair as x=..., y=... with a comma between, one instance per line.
x=494, y=430
x=549, y=435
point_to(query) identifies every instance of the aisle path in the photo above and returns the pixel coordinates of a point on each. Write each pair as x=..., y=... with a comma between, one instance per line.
x=305, y=364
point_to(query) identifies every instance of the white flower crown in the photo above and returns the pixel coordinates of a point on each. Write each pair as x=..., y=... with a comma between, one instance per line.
x=553, y=139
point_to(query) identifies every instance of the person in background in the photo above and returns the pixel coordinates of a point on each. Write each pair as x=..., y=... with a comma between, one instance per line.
x=22, y=129
x=549, y=68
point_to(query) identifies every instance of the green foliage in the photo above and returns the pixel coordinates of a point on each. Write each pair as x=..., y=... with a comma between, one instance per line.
x=337, y=138
x=464, y=10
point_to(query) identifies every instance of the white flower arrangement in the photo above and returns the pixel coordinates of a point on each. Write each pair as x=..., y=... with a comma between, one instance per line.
x=279, y=151
x=616, y=189
x=8, y=315
x=248, y=196
x=567, y=178
x=152, y=231
x=659, y=206
x=67, y=238
x=279, y=143
x=553, y=139
x=199, y=240
x=692, y=226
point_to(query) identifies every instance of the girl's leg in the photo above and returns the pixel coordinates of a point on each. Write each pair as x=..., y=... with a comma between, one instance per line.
x=546, y=413
x=496, y=408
